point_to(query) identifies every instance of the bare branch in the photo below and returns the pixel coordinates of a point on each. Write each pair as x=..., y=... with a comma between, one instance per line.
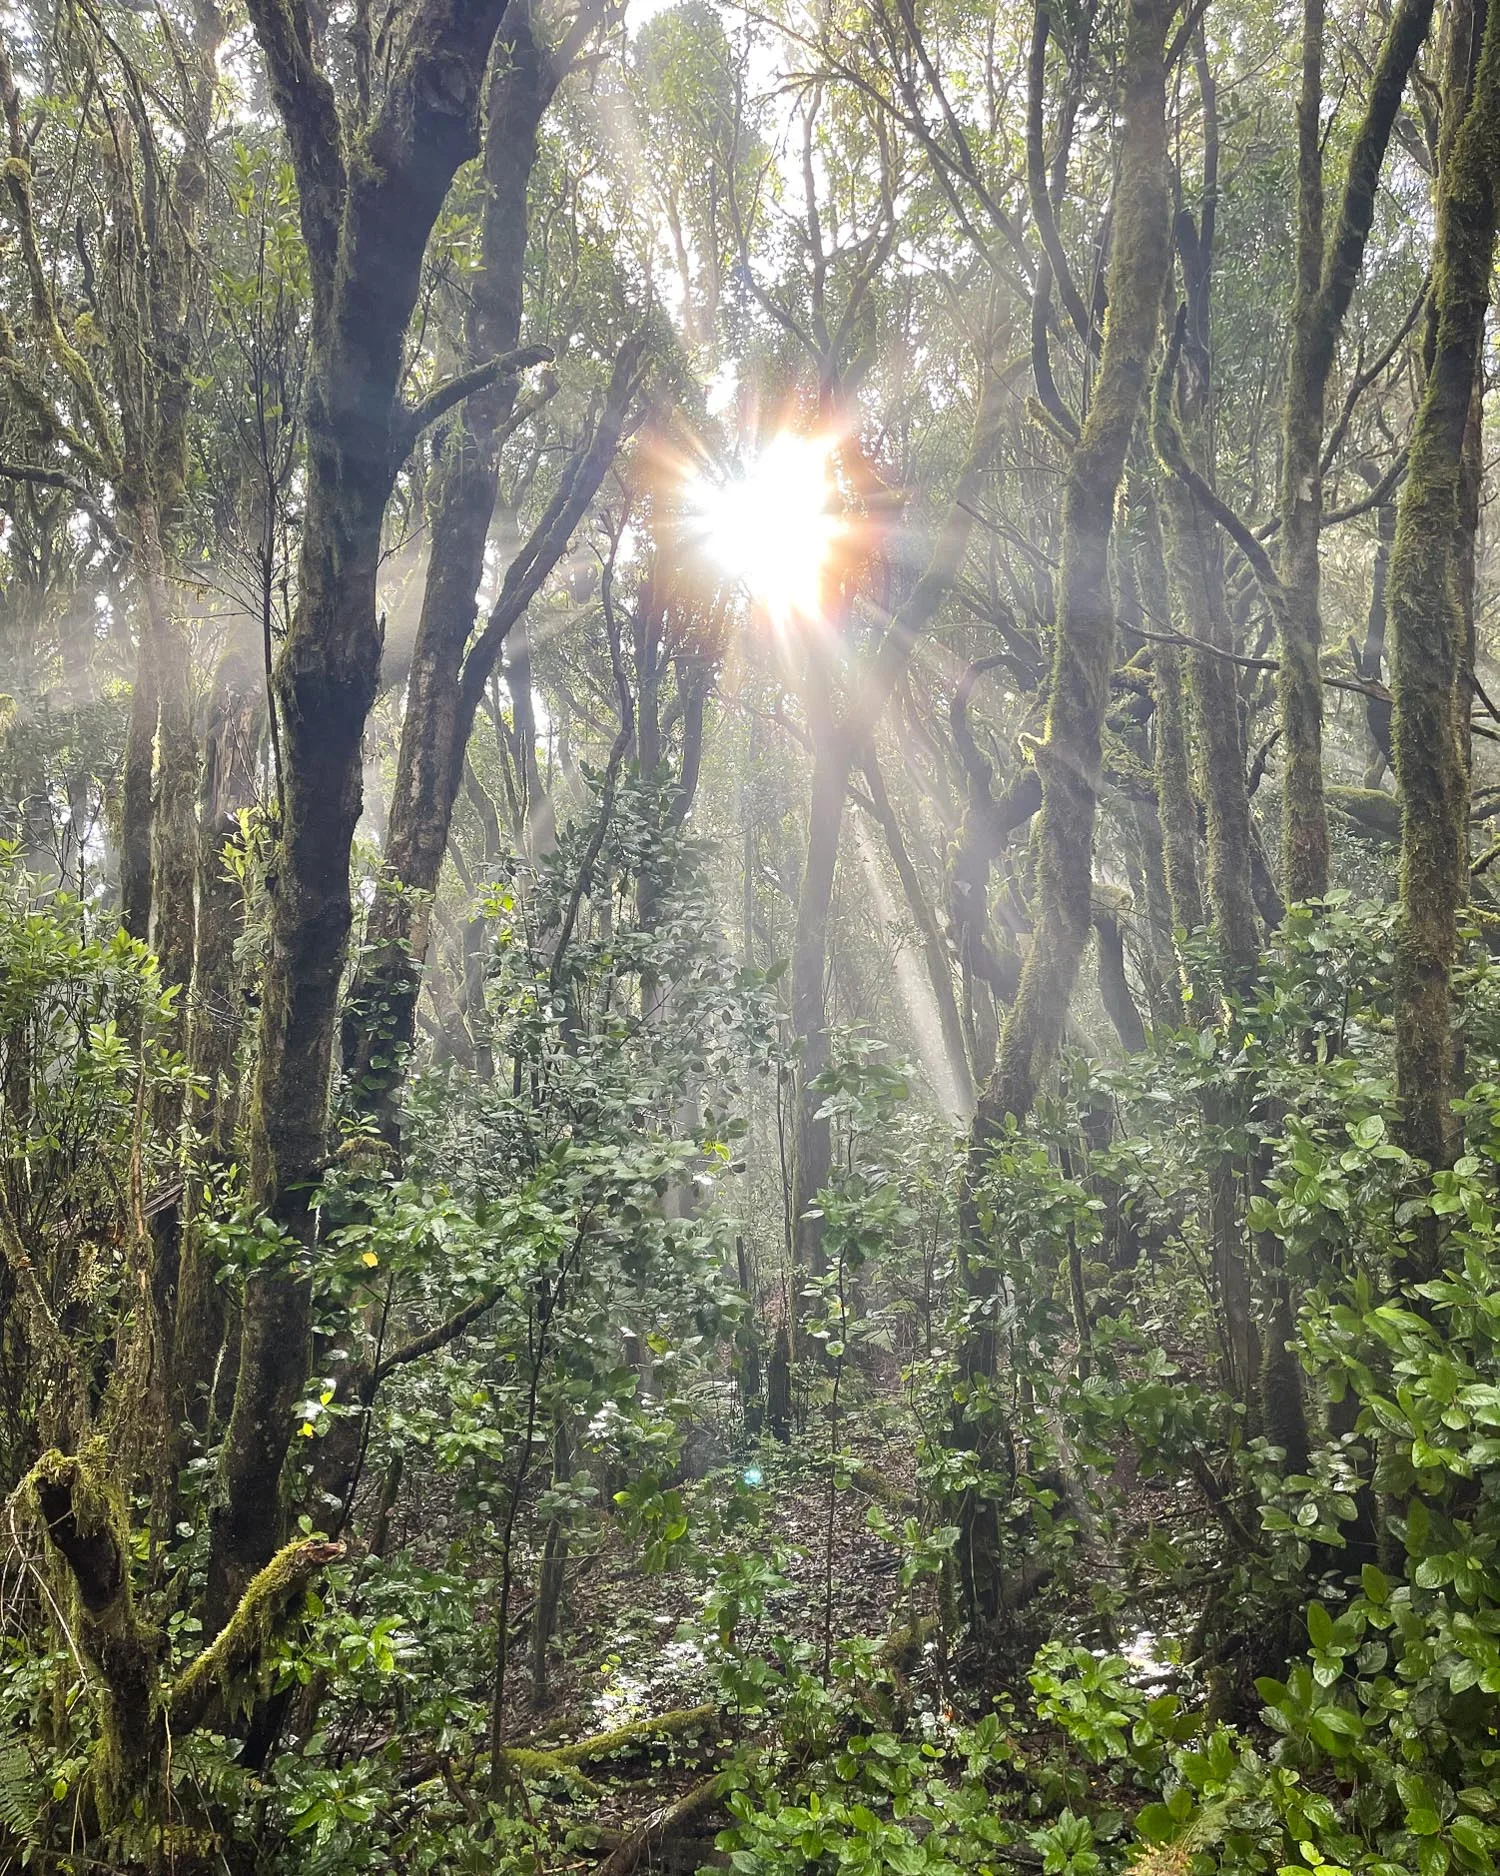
x=411, y=420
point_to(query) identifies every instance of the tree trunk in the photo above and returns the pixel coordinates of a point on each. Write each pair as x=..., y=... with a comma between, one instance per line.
x=1325, y=286
x=1429, y=616
x=1068, y=759
x=380, y=1017
x=1176, y=804
x=934, y=949
x=810, y=1132
x=366, y=232
x=1114, y=984
x=835, y=745
x=231, y=745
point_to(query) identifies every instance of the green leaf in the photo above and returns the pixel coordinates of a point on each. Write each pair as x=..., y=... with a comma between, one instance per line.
x=1376, y=1584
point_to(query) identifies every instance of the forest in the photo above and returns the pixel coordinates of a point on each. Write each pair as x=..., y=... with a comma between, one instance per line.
x=749, y=938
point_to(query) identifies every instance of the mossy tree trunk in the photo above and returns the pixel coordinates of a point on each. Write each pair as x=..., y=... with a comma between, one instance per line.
x=1176, y=804
x=1068, y=759
x=149, y=308
x=444, y=687
x=1258, y=1370
x=1430, y=611
x=368, y=197
x=1069, y=754
x=1325, y=280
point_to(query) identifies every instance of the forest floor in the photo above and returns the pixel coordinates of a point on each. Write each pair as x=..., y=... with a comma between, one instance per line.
x=631, y=1642
x=628, y=1651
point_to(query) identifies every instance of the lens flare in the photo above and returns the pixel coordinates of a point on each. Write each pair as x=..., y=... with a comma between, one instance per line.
x=771, y=526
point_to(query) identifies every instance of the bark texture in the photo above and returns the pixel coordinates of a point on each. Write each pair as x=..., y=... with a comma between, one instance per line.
x=368, y=197
x=1430, y=608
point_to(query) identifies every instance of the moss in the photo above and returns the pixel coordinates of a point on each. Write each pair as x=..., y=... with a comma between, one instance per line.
x=520, y=1762
x=876, y=1485
x=232, y=1669
x=1372, y=812
x=82, y=1512
x=1430, y=619
x=902, y=1648
x=565, y=1761
x=621, y=1739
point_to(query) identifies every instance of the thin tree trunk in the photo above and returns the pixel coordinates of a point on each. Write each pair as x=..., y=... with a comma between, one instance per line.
x=231, y=745
x=810, y=1131
x=1325, y=286
x=1114, y=984
x=934, y=949
x=1069, y=757
x=1176, y=804
x=835, y=746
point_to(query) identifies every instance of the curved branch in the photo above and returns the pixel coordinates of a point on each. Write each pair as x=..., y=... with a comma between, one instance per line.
x=1381, y=492
x=60, y=479
x=576, y=488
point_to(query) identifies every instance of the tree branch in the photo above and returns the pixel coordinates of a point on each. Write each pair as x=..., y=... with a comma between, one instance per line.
x=235, y=1657
x=576, y=488
x=1381, y=492
x=60, y=479
x=430, y=1340
x=412, y=419
x=1398, y=54
x=1173, y=456
x=1036, y=180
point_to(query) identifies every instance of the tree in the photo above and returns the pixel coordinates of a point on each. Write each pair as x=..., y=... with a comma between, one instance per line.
x=371, y=183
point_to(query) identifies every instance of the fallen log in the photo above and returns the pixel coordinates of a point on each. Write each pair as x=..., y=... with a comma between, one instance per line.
x=536, y=1762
